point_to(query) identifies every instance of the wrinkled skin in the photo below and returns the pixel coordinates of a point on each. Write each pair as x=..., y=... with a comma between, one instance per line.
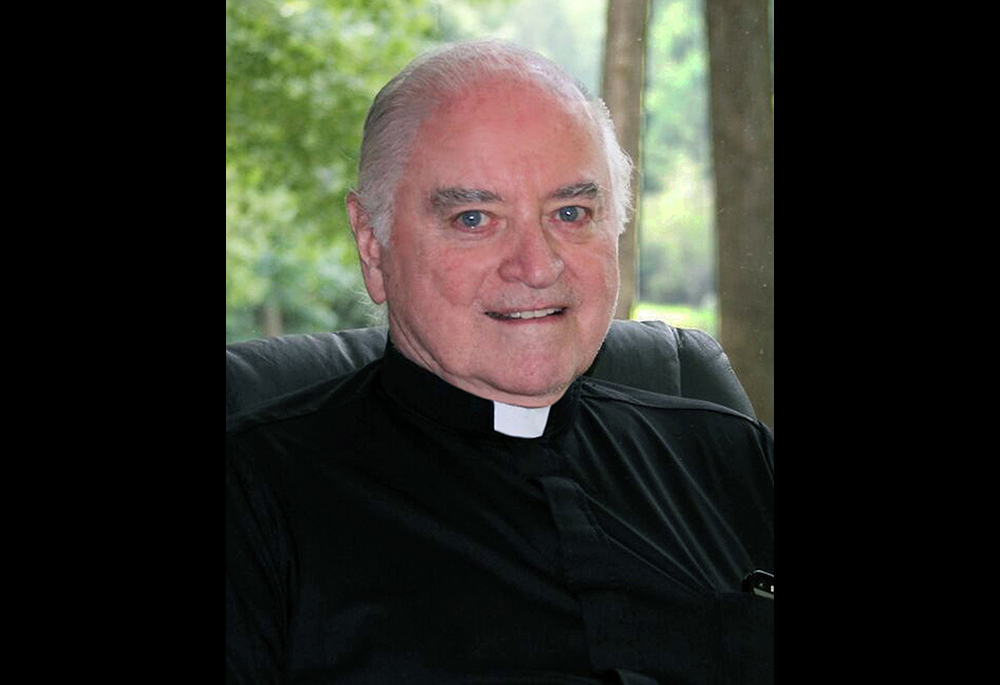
x=501, y=270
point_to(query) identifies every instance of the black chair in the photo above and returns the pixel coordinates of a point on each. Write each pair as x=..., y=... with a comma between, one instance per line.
x=650, y=355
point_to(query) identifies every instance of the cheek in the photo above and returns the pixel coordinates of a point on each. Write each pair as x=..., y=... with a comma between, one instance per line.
x=599, y=267
x=455, y=278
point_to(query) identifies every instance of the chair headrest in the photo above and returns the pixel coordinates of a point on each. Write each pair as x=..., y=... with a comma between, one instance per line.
x=649, y=355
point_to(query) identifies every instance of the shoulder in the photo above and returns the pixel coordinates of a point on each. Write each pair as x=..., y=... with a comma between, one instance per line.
x=601, y=392
x=678, y=420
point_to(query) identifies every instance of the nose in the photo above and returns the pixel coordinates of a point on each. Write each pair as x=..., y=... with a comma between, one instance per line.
x=532, y=257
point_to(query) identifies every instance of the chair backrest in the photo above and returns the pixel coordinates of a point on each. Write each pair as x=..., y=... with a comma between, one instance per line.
x=650, y=355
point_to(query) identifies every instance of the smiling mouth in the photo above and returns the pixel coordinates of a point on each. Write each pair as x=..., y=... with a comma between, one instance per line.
x=529, y=314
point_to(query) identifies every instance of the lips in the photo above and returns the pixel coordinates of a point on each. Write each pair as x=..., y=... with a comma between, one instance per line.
x=526, y=314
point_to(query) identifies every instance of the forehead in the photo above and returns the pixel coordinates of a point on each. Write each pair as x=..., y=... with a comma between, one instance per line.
x=503, y=132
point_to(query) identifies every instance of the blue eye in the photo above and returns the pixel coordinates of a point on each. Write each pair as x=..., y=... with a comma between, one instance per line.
x=473, y=219
x=571, y=214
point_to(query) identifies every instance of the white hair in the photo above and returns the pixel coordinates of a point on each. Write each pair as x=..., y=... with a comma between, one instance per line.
x=403, y=104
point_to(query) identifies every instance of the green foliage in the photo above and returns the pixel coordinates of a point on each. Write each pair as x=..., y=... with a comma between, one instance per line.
x=677, y=127
x=300, y=75
x=677, y=239
x=704, y=317
x=677, y=259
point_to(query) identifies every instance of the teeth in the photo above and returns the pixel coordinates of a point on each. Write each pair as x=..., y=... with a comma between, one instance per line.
x=535, y=314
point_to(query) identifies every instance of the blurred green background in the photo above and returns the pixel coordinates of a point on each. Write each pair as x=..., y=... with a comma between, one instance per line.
x=300, y=75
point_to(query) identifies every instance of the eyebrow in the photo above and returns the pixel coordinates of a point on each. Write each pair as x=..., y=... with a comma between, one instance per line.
x=583, y=189
x=445, y=198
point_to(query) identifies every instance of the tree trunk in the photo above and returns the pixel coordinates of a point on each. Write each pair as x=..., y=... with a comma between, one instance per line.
x=624, y=62
x=743, y=155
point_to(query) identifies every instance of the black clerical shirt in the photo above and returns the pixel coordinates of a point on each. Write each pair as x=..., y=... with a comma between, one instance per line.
x=378, y=530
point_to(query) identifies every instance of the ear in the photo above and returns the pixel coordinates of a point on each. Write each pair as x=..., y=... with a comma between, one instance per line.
x=369, y=249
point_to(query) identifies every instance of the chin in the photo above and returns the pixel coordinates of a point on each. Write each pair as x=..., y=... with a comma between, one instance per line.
x=536, y=389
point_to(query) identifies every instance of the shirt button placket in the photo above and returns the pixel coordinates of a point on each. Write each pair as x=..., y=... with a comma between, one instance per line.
x=591, y=575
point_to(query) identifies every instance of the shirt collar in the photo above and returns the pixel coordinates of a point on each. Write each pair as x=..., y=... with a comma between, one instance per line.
x=520, y=422
x=423, y=392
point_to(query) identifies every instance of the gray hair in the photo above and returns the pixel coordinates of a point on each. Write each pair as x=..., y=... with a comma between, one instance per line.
x=402, y=105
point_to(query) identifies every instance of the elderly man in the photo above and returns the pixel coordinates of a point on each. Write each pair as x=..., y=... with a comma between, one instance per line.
x=468, y=508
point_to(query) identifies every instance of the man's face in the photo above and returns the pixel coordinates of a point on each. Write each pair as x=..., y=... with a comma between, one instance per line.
x=501, y=273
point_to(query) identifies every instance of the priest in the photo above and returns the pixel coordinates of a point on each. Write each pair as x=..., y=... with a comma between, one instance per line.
x=469, y=508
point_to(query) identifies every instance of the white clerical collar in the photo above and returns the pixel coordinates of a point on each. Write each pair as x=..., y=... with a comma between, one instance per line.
x=519, y=422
